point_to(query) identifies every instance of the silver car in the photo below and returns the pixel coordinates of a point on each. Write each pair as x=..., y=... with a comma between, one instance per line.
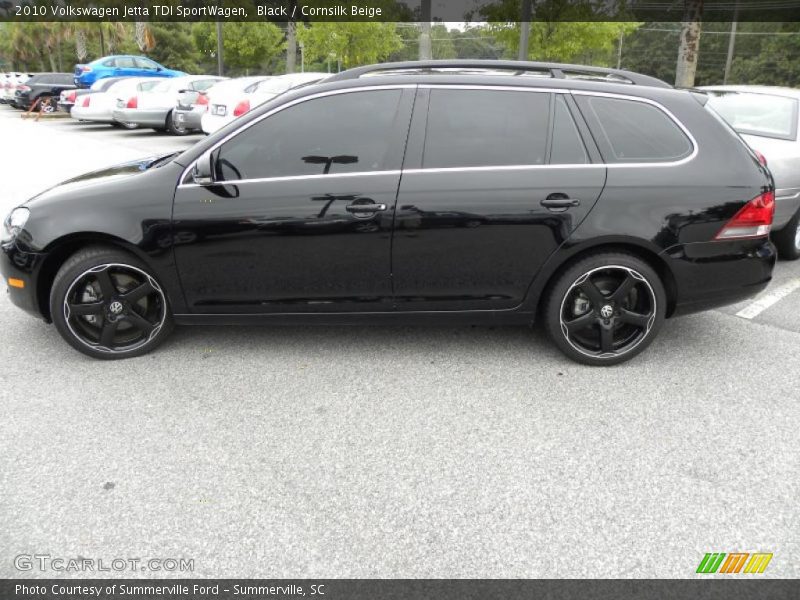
x=767, y=118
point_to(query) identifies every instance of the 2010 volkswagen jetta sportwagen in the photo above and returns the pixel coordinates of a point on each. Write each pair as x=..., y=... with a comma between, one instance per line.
x=598, y=201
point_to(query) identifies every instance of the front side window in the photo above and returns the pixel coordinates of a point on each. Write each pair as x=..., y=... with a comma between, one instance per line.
x=475, y=128
x=144, y=63
x=757, y=114
x=125, y=62
x=342, y=133
x=633, y=131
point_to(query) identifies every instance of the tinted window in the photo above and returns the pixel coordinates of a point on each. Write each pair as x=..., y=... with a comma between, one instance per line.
x=345, y=133
x=568, y=148
x=472, y=128
x=637, y=132
x=757, y=114
x=126, y=62
x=144, y=63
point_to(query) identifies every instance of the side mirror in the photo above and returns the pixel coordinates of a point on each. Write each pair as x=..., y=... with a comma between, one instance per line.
x=203, y=171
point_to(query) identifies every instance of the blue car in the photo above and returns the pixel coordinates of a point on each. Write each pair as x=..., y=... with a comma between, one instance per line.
x=121, y=66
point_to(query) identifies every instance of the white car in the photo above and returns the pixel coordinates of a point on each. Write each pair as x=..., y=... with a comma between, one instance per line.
x=99, y=106
x=222, y=100
x=9, y=83
x=221, y=112
x=155, y=108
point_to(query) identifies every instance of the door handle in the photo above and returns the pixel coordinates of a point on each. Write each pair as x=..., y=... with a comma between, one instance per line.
x=560, y=201
x=364, y=208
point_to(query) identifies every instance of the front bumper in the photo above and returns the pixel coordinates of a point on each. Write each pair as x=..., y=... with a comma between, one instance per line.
x=147, y=118
x=713, y=274
x=23, y=266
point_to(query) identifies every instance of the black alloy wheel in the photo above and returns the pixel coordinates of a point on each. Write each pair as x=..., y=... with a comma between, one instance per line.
x=605, y=309
x=106, y=304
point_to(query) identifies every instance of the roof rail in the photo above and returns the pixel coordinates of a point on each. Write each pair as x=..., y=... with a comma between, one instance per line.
x=543, y=69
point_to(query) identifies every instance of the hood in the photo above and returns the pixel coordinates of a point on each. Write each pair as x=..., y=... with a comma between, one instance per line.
x=103, y=176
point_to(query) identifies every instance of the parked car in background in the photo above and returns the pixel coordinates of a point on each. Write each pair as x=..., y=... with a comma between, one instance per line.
x=223, y=111
x=9, y=83
x=191, y=106
x=767, y=118
x=68, y=98
x=121, y=66
x=44, y=86
x=155, y=107
x=99, y=107
x=222, y=100
x=599, y=206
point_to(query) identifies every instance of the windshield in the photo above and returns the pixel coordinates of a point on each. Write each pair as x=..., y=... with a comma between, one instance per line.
x=757, y=114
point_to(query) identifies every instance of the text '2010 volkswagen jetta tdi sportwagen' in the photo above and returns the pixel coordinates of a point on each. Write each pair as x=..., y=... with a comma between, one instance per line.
x=600, y=202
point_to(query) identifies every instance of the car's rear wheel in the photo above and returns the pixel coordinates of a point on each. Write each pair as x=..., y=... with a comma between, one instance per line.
x=787, y=240
x=605, y=309
x=106, y=304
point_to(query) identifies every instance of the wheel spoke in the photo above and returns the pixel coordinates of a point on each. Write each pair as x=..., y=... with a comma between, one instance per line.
x=86, y=308
x=632, y=318
x=606, y=339
x=580, y=323
x=107, y=333
x=624, y=288
x=594, y=294
x=139, y=322
x=107, y=287
x=138, y=292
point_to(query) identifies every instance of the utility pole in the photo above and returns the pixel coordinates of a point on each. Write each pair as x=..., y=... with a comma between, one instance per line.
x=525, y=30
x=690, y=44
x=220, y=63
x=731, y=45
x=425, y=49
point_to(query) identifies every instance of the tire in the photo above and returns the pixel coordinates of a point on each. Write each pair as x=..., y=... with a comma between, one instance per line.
x=173, y=127
x=106, y=304
x=787, y=240
x=625, y=316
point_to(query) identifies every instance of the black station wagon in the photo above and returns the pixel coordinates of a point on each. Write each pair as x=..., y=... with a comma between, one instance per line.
x=598, y=202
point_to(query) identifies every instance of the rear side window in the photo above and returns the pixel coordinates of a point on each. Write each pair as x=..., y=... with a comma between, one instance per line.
x=635, y=132
x=474, y=128
x=126, y=62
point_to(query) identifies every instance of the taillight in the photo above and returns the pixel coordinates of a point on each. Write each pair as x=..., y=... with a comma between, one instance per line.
x=71, y=97
x=86, y=100
x=133, y=102
x=761, y=158
x=241, y=108
x=23, y=88
x=753, y=220
x=202, y=100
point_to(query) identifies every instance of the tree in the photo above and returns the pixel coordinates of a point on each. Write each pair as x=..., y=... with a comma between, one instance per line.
x=349, y=44
x=248, y=47
x=689, y=44
x=174, y=46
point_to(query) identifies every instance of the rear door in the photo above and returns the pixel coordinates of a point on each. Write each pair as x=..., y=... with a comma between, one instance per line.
x=496, y=178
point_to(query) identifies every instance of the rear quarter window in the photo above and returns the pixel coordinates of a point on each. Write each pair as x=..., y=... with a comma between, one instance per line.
x=630, y=131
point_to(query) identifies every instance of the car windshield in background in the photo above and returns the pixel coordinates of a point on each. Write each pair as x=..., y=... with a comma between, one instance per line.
x=757, y=114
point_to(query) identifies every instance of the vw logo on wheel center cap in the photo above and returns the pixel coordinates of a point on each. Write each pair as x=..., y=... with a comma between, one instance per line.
x=115, y=307
x=606, y=311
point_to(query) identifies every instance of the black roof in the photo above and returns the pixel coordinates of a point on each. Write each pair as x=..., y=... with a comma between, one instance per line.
x=507, y=68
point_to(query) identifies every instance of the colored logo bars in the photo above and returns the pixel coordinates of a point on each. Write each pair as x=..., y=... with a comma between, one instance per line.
x=713, y=561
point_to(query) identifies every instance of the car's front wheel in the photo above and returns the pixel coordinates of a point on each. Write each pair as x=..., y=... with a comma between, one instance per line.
x=105, y=303
x=605, y=309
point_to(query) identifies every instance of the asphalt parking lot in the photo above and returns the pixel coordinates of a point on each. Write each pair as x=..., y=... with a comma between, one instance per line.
x=390, y=451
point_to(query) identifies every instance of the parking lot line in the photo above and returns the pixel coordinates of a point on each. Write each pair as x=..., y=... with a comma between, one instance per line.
x=764, y=302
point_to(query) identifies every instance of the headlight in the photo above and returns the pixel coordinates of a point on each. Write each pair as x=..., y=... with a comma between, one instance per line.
x=14, y=223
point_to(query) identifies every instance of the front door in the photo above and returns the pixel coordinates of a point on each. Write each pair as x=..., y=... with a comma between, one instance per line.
x=495, y=180
x=299, y=217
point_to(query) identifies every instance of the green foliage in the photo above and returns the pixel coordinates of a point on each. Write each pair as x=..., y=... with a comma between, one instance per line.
x=175, y=47
x=349, y=43
x=248, y=47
